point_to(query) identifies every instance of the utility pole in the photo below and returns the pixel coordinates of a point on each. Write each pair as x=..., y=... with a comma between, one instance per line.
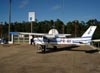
x=9, y=20
x=63, y=28
x=31, y=19
x=31, y=27
x=0, y=29
x=75, y=22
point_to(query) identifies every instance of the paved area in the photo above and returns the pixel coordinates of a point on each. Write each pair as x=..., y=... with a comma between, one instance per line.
x=27, y=59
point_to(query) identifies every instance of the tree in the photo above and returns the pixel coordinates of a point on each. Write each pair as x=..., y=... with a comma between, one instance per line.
x=70, y=28
x=59, y=25
x=45, y=26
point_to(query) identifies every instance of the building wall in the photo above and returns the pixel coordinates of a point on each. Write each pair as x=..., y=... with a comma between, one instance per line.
x=17, y=39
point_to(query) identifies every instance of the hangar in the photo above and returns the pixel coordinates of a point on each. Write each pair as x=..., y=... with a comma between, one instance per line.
x=17, y=38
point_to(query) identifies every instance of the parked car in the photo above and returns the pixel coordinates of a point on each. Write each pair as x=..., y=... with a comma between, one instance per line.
x=3, y=41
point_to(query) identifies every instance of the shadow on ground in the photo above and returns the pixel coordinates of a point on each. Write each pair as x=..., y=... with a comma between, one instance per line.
x=69, y=48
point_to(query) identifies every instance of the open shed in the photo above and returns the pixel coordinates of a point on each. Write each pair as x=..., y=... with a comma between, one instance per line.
x=18, y=38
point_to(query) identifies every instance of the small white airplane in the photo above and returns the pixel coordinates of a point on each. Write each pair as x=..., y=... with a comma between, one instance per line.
x=54, y=38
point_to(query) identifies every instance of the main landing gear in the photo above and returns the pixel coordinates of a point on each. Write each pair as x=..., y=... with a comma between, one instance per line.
x=42, y=48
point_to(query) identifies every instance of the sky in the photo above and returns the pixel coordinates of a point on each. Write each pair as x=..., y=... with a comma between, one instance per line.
x=65, y=10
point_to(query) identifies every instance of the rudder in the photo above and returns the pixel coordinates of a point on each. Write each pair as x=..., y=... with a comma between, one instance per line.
x=89, y=33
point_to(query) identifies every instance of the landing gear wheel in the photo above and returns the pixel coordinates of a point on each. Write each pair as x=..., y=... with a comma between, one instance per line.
x=55, y=47
x=43, y=48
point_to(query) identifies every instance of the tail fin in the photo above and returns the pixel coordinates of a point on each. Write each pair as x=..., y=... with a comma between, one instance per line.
x=89, y=33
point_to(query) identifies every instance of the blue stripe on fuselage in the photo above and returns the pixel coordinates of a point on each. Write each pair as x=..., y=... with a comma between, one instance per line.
x=63, y=40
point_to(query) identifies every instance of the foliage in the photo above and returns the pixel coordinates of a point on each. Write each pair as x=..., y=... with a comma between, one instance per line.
x=75, y=27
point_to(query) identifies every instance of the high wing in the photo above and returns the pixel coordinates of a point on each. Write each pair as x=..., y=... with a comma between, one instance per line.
x=62, y=35
x=53, y=33
x=38, y=34
x=46, y=35
x=56, y=35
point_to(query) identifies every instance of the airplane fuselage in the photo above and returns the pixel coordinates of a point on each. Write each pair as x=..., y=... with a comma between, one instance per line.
x=54, y=41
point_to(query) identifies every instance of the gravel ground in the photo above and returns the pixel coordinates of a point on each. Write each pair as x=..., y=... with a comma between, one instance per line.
x=27, y=59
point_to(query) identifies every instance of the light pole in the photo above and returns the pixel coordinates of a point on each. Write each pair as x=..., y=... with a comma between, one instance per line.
x=9, y=20
x=63, y=28
x=31, y=27
x=75, y=22
x=0, y=29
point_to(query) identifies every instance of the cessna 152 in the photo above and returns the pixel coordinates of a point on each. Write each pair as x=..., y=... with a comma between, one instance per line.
x=54, y=38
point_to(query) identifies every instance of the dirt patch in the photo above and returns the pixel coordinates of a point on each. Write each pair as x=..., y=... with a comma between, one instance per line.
x=27, y=59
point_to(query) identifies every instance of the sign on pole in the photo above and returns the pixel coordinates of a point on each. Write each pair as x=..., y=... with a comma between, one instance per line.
x=31, y=16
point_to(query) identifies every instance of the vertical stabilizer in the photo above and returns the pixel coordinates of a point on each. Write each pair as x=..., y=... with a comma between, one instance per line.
x=89, y=33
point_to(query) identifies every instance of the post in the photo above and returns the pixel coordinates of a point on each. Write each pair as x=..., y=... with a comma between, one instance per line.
x=31, y=27
x=12, y=38
x=76, y=27
x=9, y=20
x=0, y=29
x=63, y=28
x=31, y=19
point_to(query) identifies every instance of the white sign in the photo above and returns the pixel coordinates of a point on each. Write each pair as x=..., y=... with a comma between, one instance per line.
x=31, y=16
